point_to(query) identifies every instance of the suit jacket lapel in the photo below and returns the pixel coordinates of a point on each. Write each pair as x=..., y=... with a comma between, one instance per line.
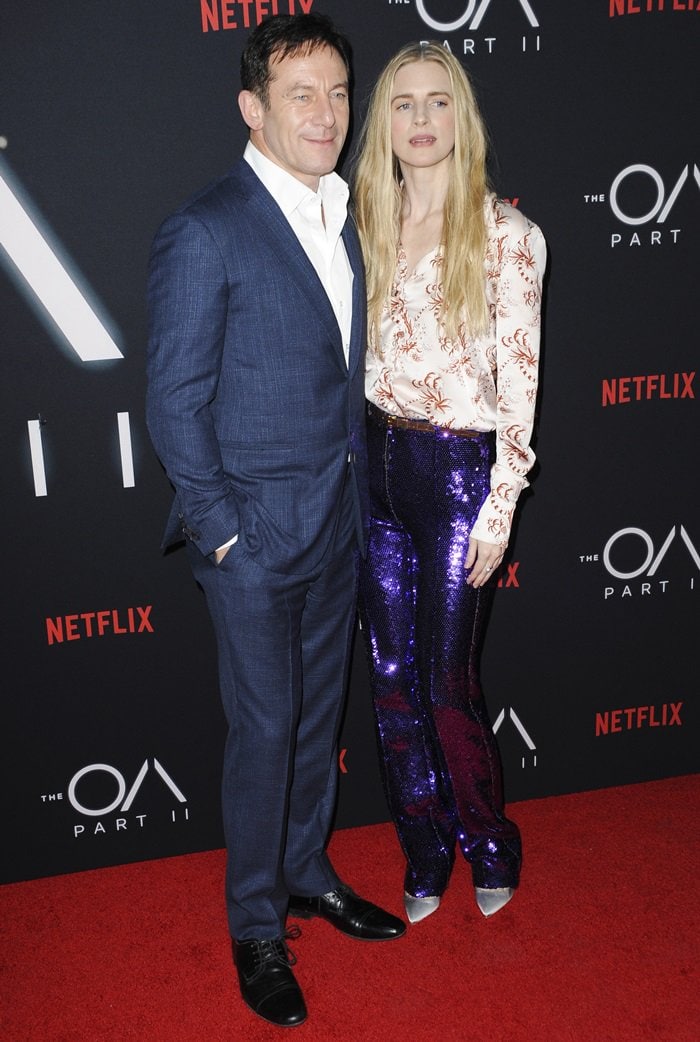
x=359, y=300
x=275, y=227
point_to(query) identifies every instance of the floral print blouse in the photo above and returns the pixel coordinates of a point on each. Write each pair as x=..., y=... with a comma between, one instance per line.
x=484, y=383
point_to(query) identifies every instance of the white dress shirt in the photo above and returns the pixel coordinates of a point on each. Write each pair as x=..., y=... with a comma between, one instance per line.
x=317, y=219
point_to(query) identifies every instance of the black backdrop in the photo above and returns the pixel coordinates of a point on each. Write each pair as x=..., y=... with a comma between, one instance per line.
x=110, y=115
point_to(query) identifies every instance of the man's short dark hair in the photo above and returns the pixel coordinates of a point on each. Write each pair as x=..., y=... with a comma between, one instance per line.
x=282, y=36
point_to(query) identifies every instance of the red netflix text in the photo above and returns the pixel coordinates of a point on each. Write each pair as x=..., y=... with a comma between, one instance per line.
x=618, y=7
x=623, y=389
x=509, y=576
x=615, y=721
x=242, y=14
x=99, y=624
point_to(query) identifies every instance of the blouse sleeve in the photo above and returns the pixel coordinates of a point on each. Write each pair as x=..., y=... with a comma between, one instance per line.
x=518, y=297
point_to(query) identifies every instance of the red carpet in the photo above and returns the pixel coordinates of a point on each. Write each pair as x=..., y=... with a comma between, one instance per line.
x=600, y=944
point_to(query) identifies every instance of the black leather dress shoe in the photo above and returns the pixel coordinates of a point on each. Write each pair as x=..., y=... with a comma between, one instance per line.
x=267, y=983
x=350, y=914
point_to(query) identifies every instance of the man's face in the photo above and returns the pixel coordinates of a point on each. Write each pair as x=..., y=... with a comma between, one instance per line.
x=304, y=128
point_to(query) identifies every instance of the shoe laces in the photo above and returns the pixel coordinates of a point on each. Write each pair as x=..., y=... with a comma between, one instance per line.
x=275, y=950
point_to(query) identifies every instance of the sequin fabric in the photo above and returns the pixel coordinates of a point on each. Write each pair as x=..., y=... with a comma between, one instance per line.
x=424, y=626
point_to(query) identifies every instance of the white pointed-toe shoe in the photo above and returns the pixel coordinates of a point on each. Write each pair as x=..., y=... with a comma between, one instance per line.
x=418, y=908
x=491, y=901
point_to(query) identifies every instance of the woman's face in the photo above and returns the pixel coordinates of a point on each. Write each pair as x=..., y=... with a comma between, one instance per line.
x=422, y=115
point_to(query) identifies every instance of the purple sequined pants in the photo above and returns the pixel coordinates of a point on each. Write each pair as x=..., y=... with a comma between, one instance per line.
x=424, y=624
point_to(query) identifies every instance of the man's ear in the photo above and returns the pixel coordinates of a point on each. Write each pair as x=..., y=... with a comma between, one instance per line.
x=251, y=109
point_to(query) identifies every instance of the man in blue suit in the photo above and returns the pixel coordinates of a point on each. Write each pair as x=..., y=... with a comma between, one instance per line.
x=255, y=407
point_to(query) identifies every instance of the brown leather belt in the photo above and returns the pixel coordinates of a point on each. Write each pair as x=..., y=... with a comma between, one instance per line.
x=387, y=419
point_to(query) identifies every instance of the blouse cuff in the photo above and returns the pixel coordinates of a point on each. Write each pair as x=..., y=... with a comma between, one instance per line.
x=495, y=518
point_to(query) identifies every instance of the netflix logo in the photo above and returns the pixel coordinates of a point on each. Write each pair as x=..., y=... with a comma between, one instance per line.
x=117, y=621
x=625, y=389
x=623, y=7
x=615, y=721
x=508, y=576
x=246, y=14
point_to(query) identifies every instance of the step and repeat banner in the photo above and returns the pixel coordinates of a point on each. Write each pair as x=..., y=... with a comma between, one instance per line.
x=110, y=115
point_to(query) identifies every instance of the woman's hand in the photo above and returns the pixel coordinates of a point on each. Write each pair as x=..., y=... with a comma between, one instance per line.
x=482, y=560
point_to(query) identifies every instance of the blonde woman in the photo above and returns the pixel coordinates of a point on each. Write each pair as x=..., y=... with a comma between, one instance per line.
x=454, y=282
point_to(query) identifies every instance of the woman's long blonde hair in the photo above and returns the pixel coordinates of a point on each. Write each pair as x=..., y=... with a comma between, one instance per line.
x=378, y=198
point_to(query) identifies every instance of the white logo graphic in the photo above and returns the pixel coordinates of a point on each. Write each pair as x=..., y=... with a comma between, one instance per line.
x=515, y=719
x=652, y=559
x=36, y=450
x=630, y=553
x=50, y=282
x=663, y=203
x=122, y=800
x=471, y=8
